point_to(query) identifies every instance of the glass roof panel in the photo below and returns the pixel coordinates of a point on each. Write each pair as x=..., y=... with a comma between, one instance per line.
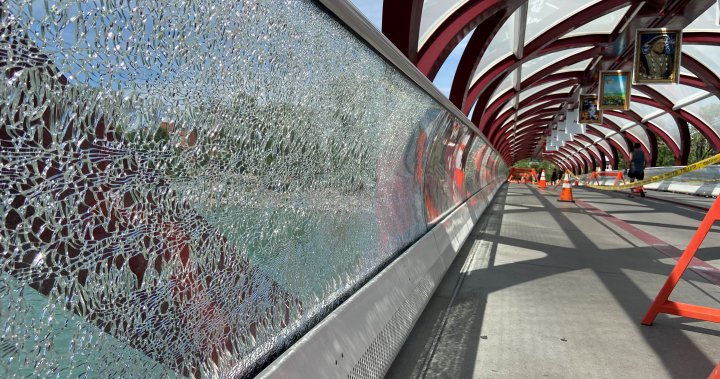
x=676, y=92
x=543, y=119
x=523, y=129
x=549, y=105
x=565, y=90
x=446, y=74
x=589, y=148
x=578, y=150
x=503, y=87
x=594, y=138
x=506, y=106
x=620, y=140
x=433, y=14
x=543, y=14
x=706, y=22
x=619, y=121
x=639, y=133
x=635, y=92
x=500, y=47
x=601, y=142
x=603, y=25
x=533, y=66
x=684, y=71
x=603, y=129
x=535, y=89
x=706, y=54
x=668, y=125
x=580, y=66
x=641, y=109
x=707, y=110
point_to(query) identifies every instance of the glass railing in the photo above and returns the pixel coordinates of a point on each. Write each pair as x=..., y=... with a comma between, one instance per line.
x=705, y=174
x=186, y=188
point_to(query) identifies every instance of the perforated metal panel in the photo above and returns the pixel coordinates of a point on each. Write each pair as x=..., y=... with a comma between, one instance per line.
x=381, y=353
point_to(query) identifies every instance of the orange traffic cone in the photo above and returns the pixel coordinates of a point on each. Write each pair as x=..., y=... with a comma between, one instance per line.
x=715, y=374
x=566, y=192
x=542, y=184
x=640, y=190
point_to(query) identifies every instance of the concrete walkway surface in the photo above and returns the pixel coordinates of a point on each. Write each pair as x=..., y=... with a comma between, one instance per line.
x=545, y=289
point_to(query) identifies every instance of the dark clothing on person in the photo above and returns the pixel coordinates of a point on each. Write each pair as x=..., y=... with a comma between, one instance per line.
x=637, y=165
x=553, y=178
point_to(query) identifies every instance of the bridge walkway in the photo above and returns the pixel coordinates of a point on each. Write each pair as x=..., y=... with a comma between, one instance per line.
x=549, y=289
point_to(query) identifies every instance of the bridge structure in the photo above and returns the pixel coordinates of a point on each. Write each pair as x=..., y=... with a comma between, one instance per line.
x=281, y=190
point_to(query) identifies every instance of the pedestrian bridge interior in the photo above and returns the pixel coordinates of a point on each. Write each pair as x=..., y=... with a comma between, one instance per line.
x=319, y=188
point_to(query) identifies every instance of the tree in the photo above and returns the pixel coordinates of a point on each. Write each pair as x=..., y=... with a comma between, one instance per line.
x=700, y=147
x=665, y=156
x=537, y=165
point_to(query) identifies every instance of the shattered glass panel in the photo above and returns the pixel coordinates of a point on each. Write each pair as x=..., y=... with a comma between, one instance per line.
x=475, y=174
x=187, y=187
x=440, y=185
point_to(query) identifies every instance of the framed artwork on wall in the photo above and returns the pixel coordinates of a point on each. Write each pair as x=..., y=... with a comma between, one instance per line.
x=614, y=90
x=589, y=112
x=657, y=56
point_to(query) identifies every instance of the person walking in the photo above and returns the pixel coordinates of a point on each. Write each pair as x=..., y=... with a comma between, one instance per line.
x=637, y=167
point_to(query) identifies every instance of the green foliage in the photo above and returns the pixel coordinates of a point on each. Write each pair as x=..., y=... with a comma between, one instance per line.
x=700, y=147
x=665, y=156
x=537, y=165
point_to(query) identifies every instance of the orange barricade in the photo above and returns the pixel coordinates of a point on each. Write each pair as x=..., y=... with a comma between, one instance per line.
x=541, y=183
x=519, y=173
x=661, y=304
x=618, y=176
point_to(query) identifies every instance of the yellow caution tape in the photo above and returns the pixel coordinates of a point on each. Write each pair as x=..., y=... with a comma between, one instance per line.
x=692, y=167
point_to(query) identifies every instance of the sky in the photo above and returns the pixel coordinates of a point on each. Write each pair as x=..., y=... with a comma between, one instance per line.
x=372, y=9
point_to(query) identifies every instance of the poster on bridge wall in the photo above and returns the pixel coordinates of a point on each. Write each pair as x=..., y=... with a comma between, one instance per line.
x=614, y=90
x=589, y=112
x=657, y=56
